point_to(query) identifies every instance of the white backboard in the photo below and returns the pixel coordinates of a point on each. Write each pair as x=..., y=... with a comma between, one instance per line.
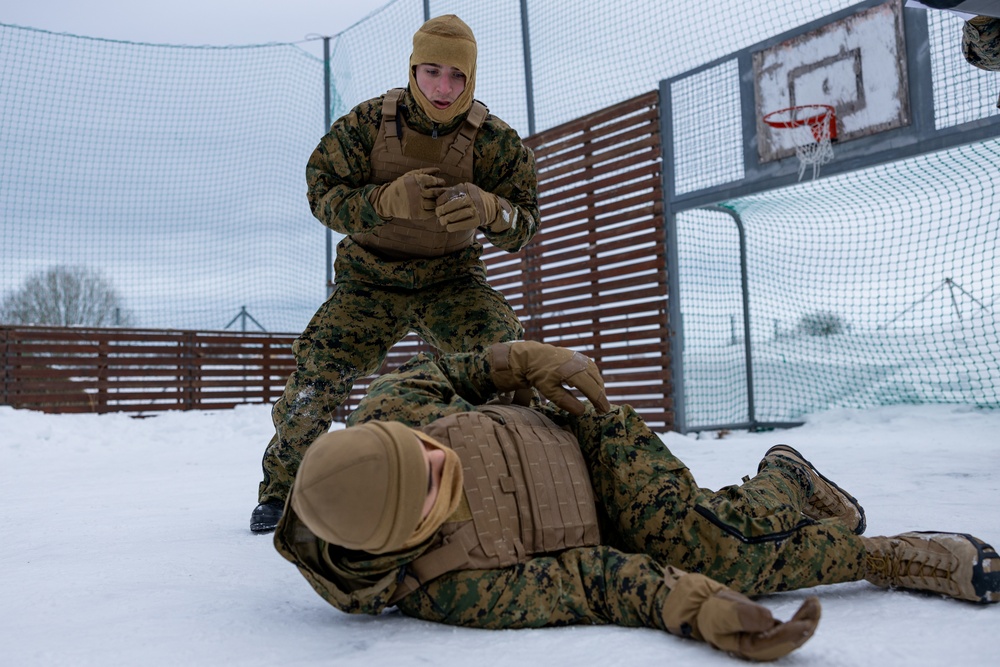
x=856, y=64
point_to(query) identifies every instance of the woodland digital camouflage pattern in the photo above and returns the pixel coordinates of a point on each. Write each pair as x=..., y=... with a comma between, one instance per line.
x=752, y=537
x=376, y=302
x=981, y=42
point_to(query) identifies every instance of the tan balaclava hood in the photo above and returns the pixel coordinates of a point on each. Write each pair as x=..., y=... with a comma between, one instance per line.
x=445, y=40
x=363, y=487
x=449, y=497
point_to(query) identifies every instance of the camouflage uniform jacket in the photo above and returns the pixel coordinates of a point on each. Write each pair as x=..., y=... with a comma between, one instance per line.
x=339, y=179
x=981, y=43
x=597, y=585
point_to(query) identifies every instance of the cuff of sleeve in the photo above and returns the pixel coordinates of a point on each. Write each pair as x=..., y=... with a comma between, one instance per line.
x=506, y=217
x=503, y=377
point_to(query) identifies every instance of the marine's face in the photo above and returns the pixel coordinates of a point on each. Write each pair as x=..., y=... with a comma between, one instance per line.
x=441, y=84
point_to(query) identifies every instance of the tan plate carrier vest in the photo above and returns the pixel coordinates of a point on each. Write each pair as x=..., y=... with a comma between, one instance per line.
x=399, y=149
x=527, y=487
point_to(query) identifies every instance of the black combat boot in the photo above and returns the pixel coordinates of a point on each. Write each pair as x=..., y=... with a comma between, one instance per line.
x=265, y=516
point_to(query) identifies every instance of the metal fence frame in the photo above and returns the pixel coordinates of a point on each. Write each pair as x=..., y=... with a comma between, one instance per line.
x=919, y=137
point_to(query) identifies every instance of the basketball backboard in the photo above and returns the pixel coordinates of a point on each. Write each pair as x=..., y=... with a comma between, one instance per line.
x=857, y=65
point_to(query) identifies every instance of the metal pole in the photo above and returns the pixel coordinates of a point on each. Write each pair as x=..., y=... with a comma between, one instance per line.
x=529, y=89
x=427, y=10
x=674, y=316
x=242, y=313
x=328, y=120
x=751, y=409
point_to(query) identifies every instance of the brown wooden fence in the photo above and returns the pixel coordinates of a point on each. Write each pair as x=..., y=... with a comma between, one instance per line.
x=78, y=369
x=594, y=278
x=88, y=369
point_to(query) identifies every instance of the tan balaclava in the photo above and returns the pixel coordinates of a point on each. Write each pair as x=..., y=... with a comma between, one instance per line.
x=449, y=497
x=364, y=487
x=445, y=40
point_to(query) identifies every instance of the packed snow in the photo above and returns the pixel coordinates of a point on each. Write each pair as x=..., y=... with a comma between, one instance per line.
x=128, y=544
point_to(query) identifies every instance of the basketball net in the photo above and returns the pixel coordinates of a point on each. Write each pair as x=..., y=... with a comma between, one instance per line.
x=813, y=144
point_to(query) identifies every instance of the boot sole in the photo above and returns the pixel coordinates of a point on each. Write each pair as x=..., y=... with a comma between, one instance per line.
x=262, y=527
x=863, y=523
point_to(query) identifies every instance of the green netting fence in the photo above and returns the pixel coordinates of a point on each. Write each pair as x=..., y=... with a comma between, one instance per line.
x=176, y=173
x=877, y=287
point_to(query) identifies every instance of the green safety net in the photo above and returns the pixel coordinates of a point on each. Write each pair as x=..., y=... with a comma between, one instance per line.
x=175, y=174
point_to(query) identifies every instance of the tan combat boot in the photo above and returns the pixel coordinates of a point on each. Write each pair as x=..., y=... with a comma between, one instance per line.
x=953, y=564
x=828, y=501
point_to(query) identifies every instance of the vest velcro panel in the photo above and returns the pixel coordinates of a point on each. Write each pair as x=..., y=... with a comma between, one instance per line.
x=525, y=482
x=555, y=476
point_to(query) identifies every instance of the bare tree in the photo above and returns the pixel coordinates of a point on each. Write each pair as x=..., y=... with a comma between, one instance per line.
x=65, y=296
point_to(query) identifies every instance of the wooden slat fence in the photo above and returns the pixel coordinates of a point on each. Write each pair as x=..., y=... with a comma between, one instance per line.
x=81, y=369
x=594, y=278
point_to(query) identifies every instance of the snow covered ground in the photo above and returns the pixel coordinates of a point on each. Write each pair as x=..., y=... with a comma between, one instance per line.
x=127, y=544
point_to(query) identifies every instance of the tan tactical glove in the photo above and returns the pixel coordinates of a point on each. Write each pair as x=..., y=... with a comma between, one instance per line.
x=528, y=363
x=706, y=610
x=413, y=195
x=466, y=206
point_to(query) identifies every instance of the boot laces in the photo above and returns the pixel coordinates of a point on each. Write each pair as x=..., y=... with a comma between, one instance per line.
x=912, y=568
x=826, y=502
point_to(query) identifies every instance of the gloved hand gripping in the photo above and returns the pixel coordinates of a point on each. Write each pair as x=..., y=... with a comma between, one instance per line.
x=524, y=364
x=412, y=196
x=467, y=206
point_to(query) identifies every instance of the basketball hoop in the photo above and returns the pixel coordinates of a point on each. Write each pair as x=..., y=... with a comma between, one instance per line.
x=813, y=148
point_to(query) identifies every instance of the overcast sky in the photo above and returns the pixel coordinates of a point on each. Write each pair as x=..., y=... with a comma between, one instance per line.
x=194, y=22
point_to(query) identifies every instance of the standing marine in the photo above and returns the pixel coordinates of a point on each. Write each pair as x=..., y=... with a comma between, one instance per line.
x=410, y=178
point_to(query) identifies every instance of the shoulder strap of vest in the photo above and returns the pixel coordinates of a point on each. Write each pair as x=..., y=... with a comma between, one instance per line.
x=392, y=123
x=467, y=133
x=451, y=555
x=516, y=414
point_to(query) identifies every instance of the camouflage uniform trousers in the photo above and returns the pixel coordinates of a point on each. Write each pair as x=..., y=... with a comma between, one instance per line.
x=350, y=336
x=751, y=537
